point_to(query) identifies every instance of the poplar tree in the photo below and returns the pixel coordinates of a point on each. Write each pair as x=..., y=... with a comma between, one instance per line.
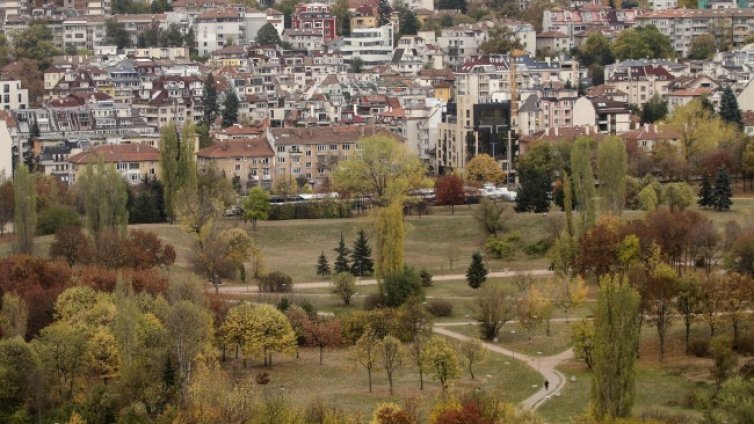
x=361, y=256
x=169, y=154
x=616, y=339
x=105, y=198
x=186, y=166
x=389, y=240
x=583, y=182
x=341, y=262
x=612, y=162
x=25, y=211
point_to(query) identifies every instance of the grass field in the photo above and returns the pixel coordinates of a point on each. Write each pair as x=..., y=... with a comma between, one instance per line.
x=342, y=382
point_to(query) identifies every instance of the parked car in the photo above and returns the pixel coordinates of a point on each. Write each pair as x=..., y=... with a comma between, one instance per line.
x=492, y=191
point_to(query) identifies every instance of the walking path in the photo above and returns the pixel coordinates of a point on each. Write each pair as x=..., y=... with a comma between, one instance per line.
x=546, y=366
x=372, y=282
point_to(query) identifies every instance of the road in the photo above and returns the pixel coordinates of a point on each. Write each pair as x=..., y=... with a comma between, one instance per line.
x=545, y=366
x=372, y=282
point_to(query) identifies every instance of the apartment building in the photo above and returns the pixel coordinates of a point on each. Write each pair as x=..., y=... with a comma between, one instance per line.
x=730, y=26
x=373, y=45
x=574, y=23
x=133, y=161
x=608, y=116
x=15, y=7
x=640, y=83
x=317, y=16
x=249, y=161
x=84, y=32
x=12, y=96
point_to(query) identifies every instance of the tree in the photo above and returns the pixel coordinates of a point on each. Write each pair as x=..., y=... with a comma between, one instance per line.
x=14, y=316
x=343, y=16
x=116, y=34
x=408, y=23
x=323, y=267
x=104, y=197
x=534, y=192
x=72, y=245
x=439, y=360
x=322, y=332
x=500, y=40
x=645, y=42
x=583, y=182
x=733, y=402
x=365, y=352
x=390, y=357
x=361, y=256
x=494, y=307
x=449, y=191
x=705, y=192
x=721, y=192
x=612, y=164
x=703, y=47
x=341, y=262
x=390, y=235
x=35, y=43
x=230, y=111
x=476, y=275
x=238, y=247
x=256, y=206
x=267, y=35
x=190, y=329
x=344, y=286
x=381, y=168
x=172, y=36
x=18, y=365
x=595, y=50
x=679, y=196
x=62, y=349
x=209, y=101
x=655, y=109
x=398, y=287
x=384, y=10
x=725, y=359
x=582, y=337
x=729, y=110
x=25, y=210
x=5, y=51
x=198, y=205
x=474, y=352
x=357, y=65
x=490, y=215
x=484, y=169
x=6, y=204
x=616, y=317
x=414, y=323
x=658, y=290
x=688, y=304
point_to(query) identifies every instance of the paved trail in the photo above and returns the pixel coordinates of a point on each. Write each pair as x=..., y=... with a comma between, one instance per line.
x=546, y=366
x=372, y=282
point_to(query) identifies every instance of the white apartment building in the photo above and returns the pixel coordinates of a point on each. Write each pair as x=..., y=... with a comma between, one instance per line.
x=663, y=4
x=462, y=41
x=373, y=45
x=84, y=32
x=218, y=27
x=15, y=7
x=411, y=55
x=304, y=39
x=12, y=96
x=682, y=25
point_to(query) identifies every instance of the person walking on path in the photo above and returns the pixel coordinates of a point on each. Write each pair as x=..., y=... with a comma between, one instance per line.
x=547, y=385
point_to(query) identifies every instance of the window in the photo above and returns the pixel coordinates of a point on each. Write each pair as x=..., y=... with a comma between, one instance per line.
x=321, y=148
x=296, y=170
x=308, y=153
x=346, y=147
x=296, y=159
x=308, y=164
x=333, y=147
x=238, y=167
x=281, y=159
x=133, y=165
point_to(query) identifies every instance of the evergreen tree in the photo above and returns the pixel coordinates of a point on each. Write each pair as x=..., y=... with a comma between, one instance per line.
x=25, y=211
x=408, y=22
x=210, y=100
x=384, y=10
x=477, y=272
x=268, y=35
x=323, y=267
x=534, y=194
x=721, y=192
x=341, y=262
x=361, y=256
x=729, y=110
x=230, y=113
x=705, y=192
x=616, y=340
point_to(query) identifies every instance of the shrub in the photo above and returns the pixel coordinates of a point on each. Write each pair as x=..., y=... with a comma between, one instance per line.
x=352, y=325
x=325, y=209
x=538, y=248
x=373, y=301
x=439, y=307
x=56, y=216
x=699, y=348
x=262, y=378
x=499, y=248
x=745, y=345
x=398, y=287
x=276, y=282
x=426, y=278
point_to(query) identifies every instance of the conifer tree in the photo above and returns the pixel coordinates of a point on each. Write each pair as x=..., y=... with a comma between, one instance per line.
x=25, y=211
x=230, y=113
x=323, y=267
x=477, y=272
x=210, y=100
x=721, y=192
x=384, y=10
x=341, y=262
x=729, y=110
x=361, y=256
x=705, y=192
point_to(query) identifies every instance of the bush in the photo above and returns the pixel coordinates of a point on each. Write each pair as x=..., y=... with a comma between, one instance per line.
x=745, y=345
x=352, y=325
x=276, y=282
x=699, y=348
x=55, y=217
x=398, y=287
x=373, y=301
x=499, y=248
x=262, y=378
x=439, y=307
x=326, y=209
x=426, y=278
x=538, y=248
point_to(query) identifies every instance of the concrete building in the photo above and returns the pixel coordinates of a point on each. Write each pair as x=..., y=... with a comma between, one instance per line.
x=133, y=161
x=608, y=116
x=12, y=96
x=84, y=32
x=373, y=45
x=250, y=161
x=316, y=16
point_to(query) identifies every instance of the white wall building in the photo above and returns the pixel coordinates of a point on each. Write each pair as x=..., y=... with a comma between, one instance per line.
x=12, y=96
x=373, y=45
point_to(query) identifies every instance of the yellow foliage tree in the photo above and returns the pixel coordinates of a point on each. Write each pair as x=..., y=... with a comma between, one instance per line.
x=484, y=169
x=390, y=235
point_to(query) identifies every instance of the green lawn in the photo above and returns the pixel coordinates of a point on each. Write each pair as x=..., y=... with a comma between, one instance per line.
x=342, y=382
x=529, y=344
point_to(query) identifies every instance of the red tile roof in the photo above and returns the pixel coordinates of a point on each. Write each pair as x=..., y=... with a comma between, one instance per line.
x=247, y=147
x=111, y=153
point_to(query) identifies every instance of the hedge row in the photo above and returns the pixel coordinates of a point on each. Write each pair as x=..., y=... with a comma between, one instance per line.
x=310, y=210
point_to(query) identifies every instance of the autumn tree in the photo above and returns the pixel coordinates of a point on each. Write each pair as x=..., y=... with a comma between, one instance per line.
x=658, y=287
x=449, y=191
x=415, y=325
x=389, y=239
x=361, y=256
x=491, y=215
x=322, y=332
x=582, y=337
x=642, y=43
x=6, y=204
x=583, y=182
x=104, y=198
x=381, y=168
x=344, y=287
x=612, y=164
x=616, y=317
x=482, y=169
x=494, y=307
x=14, y=316
x=177, y=164
x=256, y=206
x=18, y=365
x=25, y=210
x=62, y=350
x=440, y=361
x=190, y=329
x=365, y=352
x=474, y=352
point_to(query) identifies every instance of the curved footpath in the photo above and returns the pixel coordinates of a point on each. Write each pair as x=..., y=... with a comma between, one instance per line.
x=547, y=367
x=372, y=282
